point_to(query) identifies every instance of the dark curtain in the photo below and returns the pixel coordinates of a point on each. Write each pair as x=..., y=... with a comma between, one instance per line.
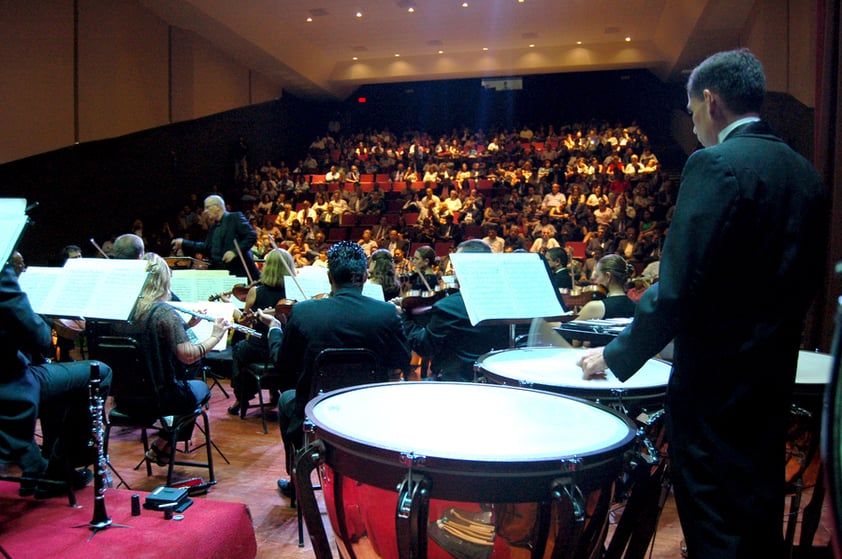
x=828, y=161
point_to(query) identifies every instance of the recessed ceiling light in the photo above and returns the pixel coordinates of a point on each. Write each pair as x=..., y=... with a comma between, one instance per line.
x=397, y=55
x=578, y=42
x=628, y=39
x=464, y=4
x=309, y=20
x=359, y=14
x=484, y=49
x=441, y=52
x=532, y=45
x=411, y=10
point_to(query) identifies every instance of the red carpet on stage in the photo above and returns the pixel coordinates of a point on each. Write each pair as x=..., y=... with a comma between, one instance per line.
x=36, y=529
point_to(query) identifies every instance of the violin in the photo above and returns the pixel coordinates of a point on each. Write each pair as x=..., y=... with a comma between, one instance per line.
x=579, y=297
x=239, y=291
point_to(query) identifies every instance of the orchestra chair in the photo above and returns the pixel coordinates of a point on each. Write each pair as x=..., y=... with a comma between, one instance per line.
x=333, y=369
x=21, y=414
x=267, y=378
x=137, y=405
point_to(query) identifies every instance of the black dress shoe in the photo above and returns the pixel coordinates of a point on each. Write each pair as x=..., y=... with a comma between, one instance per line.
x=78, y=480
x=286, y=488
x=235, y=409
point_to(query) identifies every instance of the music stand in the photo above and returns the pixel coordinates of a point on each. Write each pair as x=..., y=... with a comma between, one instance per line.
x=509, y=288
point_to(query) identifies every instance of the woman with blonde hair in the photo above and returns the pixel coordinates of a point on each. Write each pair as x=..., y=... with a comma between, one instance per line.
x=162, y=335
x=612, y=272
x=265, y=294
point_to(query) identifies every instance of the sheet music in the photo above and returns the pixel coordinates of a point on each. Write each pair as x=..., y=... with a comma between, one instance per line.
x=506, y=287
x=199, y=285
x=12, y=221
x=204, y=328
x=102, y=289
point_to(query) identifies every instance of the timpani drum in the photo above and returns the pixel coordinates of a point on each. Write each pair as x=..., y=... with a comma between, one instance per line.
x=555, y=370
x=442, y=470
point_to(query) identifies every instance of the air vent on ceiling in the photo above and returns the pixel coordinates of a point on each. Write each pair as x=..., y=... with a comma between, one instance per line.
x=318, y=12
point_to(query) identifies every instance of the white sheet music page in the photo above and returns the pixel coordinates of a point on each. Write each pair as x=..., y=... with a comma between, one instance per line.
x=86, y=287
x=12, y=221
x=213, y=309
x=505, y=287
x=199, y=285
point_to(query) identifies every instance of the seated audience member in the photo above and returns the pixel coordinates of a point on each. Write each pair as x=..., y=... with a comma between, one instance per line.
x=31, y=389
x=446, y=336
x=612, y=272
x=162, y=335
x=345, y=319
x=265, y=295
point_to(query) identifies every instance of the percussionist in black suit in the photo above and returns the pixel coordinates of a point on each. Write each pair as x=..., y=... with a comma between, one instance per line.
x=747, y=202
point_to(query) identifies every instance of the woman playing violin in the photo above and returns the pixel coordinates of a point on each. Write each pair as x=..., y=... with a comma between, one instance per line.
x=424, y=277
x=381, y=271
x=611, y=272
x=266, y=294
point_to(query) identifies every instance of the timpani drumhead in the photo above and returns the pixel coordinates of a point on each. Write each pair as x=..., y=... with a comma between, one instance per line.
x=475, y=439
x=555, y=369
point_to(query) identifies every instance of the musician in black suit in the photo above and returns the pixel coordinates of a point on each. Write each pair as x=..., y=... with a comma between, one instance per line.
x=445, y=334
x=747, y=202
x=345, y=319
x=227, y=228
x=30, y=389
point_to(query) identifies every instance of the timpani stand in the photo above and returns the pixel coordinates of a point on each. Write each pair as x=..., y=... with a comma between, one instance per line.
x=831, y=443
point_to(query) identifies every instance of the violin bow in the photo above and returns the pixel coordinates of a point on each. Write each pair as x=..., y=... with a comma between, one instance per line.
x=243, y=260
x=96, y=246
x=286, y=267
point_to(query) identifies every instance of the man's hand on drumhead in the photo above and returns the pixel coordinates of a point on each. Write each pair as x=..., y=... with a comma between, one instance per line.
x=593, y=364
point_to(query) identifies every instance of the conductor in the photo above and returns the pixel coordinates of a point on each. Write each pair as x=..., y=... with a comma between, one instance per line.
x=226, y=229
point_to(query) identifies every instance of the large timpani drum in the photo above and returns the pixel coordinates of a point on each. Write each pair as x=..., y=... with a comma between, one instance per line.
x=442, y=470
x=555, y=370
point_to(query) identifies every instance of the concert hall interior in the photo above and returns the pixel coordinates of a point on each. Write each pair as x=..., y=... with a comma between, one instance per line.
x=316, y=123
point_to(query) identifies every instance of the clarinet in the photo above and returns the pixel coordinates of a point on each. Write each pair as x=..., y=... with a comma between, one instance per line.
x=102, y=475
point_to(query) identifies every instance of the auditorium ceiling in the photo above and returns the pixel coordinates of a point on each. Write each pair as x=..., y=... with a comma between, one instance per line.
x=325, y=49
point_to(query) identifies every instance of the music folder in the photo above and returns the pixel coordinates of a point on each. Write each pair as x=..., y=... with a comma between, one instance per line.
x=506, y=288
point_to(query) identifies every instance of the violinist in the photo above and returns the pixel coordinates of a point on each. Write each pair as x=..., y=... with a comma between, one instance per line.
x=557, y=261
x=381, y=271
x=424, y=276
x=612, y=272
x=445, y=334
x=265, y=294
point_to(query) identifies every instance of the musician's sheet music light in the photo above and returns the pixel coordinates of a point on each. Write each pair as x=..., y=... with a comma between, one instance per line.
x=86, y=288
x=12, y=221
x=506, y=288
